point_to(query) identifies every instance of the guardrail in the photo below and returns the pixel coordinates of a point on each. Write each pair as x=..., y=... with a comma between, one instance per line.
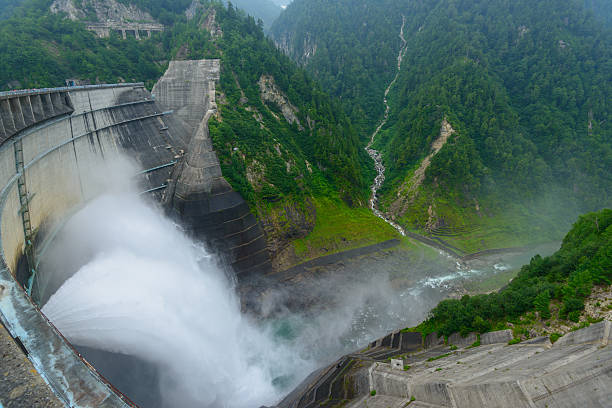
x=21, y=92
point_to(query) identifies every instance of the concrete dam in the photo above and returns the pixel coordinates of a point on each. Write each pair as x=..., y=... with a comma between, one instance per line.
x=53, y=143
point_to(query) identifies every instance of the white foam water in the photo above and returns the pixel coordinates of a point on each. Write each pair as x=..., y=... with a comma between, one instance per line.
x=152, y=293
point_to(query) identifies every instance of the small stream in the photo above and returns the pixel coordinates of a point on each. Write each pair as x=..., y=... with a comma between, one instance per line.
x=375, y=154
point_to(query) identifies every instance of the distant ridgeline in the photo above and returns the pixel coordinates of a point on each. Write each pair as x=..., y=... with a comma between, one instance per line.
x=524, y=85
x=282, y=142
x=602, y=9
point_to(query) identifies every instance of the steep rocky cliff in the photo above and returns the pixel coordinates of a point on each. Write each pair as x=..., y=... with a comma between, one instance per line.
x=101, y=11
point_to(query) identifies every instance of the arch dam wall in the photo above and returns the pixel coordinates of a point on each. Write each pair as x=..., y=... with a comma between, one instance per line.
x=53, y=145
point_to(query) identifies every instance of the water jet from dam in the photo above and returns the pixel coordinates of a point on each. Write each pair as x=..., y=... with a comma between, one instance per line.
x=150, y=292
x=131, y=291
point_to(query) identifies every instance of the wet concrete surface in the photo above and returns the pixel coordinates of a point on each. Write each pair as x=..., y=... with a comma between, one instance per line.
x=20, y=384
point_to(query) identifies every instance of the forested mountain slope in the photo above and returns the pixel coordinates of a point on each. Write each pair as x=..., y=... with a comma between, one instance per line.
x=282, y=141
x=265, y=10
x=349, y=46
x=601, y=8
x=7, y=7
x=524, y=86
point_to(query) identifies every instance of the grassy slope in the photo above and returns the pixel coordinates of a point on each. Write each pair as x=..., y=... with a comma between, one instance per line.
x=339, y=228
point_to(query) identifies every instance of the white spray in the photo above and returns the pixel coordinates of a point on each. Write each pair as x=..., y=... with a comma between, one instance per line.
x=152, y=293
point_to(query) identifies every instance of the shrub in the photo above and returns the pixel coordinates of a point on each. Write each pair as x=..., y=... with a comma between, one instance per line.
x=554, y=337
x=574, y=316
x=541, y=304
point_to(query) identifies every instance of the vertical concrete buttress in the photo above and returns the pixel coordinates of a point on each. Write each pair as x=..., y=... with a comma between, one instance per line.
x=26, y=109
x=3, y=134
x=48, y=105
x=37, y=107
x=17, y=113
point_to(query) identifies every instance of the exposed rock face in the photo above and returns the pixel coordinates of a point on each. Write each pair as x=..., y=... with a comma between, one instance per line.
x=599, y=304
x=101, y=10
x=210, y=24
x=68, y=7
x=409, y=189
x=200, y=197
x=191, y=11
x=271, y=93
x=308, y=50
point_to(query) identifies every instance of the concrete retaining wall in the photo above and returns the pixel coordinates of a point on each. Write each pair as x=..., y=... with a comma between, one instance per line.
x=500, y=336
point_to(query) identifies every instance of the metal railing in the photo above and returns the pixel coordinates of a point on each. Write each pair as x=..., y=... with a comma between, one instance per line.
x=22, y=92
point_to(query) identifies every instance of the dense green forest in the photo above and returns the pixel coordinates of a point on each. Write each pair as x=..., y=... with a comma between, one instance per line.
x=524, y=85
x=527, y=85
x=567, y=277
x=40, y=49
x=349, y=46
x=7, y=7
x=602, y=9
x=323, y=135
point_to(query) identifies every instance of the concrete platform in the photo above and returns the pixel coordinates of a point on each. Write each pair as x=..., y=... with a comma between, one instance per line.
x=575, y=372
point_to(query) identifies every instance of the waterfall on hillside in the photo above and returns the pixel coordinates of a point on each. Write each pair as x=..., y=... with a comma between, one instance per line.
x=375, y=154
